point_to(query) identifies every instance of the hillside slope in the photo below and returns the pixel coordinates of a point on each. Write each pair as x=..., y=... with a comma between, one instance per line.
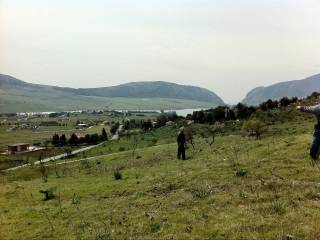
x=17, y=95
x=296, y=88
x=160, y=197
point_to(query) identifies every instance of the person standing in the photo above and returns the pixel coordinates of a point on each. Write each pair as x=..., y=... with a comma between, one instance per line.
x=314, y=150
x=181, y=144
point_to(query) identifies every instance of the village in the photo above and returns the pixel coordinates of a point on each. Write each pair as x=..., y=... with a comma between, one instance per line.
x=28, y=136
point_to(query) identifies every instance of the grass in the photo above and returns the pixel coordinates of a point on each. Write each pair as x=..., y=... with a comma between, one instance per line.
x=160, y=197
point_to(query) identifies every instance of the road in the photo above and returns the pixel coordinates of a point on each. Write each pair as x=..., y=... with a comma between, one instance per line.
x=88, y=158
x=107, y=155
x=56, y=157
x=119, y=130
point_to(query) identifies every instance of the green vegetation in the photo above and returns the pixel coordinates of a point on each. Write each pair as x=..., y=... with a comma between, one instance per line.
x=237, y=188
x=39, y=130
x=231, y=186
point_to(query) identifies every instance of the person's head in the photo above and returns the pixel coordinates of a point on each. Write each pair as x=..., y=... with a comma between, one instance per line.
x=182, y=129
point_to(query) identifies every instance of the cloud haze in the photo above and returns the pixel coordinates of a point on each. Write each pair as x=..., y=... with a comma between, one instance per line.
x=226, y=46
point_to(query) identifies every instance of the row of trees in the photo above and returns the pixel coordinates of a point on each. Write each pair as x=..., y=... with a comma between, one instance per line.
x=222, y=113
x=239, y=111
x=135, y=123
x=273, y=104
x=75, y=140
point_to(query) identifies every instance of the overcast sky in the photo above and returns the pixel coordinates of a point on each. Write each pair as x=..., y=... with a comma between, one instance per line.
x=227, y=46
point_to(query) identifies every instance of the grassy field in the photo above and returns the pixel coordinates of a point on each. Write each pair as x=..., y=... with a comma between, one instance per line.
x=238, y=188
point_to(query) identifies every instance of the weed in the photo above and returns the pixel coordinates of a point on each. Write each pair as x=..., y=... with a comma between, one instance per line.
x=155, y=227
x=121, y=149
x=202, y=191
x=48, y=193
x=117, y=175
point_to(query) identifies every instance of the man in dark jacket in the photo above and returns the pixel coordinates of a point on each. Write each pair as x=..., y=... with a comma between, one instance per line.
x=314, y=150
x=181, y=144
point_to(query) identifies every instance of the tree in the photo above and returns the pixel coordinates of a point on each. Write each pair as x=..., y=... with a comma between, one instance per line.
x=63, y=140
x=94, y=138
x=254, y=127
x=104, y=135
x=74, y=140
x=147, y=125
x=114, y=128
x=134, y=144
x=284, y=102
x=210, y=118
x=243, y=111
x=87, y=138
x=55, y=139
x=162, y=120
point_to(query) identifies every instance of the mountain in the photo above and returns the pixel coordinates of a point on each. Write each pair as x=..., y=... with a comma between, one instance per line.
x=20, y=96
x=152, y=90
x=295, y=88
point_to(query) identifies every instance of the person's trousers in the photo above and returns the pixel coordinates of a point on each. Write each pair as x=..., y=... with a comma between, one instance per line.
x=181, y=152
x=314, y=150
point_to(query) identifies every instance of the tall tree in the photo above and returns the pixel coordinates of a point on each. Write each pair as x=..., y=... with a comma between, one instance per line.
x=74, y=140
x=55, y=139
x=63, y=140
x=104, y=135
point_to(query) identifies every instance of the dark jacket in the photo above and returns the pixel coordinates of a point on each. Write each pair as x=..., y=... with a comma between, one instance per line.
x=181, y=139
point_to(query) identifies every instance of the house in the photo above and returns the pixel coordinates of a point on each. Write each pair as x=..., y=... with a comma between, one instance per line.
x=18, y=148
x=107, y=123
x=169, y=123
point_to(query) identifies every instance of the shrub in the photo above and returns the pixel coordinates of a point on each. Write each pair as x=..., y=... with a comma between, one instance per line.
x=254, y=127
x=154, y=140
x=48, y=193
x=277, y=207
x=121, y=149
x=117, y=175
x=241, y=173
x=155, y=227
x=202, y=191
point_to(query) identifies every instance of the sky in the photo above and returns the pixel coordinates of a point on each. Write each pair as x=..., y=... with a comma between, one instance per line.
x=227, y=46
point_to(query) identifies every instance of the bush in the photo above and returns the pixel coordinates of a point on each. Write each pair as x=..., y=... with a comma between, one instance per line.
x=241, y=173
x=117, y=175
x=121, y=149
x=202, y=191
x=48, y=193
x=155, y=227
x=254, y=127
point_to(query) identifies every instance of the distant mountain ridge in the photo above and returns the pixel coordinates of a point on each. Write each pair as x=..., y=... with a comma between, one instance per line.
x=157, y=89
x=20, y=92
x=295, y=88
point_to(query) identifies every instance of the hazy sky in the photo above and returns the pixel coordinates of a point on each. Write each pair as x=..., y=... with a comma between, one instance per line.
x=227, y=46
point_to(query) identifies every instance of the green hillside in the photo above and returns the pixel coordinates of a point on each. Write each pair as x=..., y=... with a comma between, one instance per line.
x=19, y=96
x=238, y=188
